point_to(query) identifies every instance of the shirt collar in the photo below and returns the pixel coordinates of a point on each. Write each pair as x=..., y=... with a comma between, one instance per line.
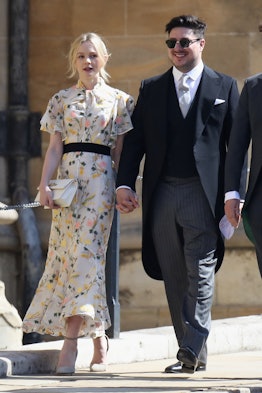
x=80, y=84
x=194, y=73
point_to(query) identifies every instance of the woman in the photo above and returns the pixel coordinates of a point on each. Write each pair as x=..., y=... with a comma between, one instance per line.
x=87, y=123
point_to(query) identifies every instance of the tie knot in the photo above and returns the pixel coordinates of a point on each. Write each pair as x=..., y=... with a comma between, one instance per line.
x=183, y=82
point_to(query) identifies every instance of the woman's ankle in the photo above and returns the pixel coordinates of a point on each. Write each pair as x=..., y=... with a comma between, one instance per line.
x=100, y=350
x=68, y=352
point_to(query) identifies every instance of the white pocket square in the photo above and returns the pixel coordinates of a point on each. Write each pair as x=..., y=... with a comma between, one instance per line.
x=219, y=101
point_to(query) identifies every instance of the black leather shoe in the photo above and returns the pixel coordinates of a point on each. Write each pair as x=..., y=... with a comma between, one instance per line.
x=180, y=368
x=189, y=360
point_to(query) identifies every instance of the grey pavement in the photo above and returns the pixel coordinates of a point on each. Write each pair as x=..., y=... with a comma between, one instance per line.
x=136, y=362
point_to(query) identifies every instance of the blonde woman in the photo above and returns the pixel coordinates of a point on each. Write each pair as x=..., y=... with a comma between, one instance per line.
x=86, y=123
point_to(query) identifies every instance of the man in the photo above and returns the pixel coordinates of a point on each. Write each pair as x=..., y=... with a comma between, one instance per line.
x=246, y=127
x=183, y=186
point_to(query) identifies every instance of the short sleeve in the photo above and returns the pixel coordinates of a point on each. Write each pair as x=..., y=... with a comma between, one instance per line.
x=53, y=119
x=125, y=109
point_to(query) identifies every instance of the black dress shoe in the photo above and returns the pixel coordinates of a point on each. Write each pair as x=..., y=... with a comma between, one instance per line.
x=180, y=368
x=189, y=360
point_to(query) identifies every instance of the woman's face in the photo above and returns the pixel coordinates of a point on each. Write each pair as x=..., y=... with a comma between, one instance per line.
x=88, y=63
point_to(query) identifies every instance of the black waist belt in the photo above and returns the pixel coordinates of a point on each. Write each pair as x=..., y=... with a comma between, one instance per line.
x=89, y=147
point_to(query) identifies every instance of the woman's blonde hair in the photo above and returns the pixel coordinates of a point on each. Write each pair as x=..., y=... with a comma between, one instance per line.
x=100, y=47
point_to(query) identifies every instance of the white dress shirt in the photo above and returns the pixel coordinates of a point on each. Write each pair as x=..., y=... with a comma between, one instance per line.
x=232, y=195
x=195, y=76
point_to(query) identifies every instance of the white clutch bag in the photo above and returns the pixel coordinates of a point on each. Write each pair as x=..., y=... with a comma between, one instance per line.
x=63, y=190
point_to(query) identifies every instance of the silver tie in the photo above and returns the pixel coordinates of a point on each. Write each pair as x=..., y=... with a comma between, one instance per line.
x=184, y=97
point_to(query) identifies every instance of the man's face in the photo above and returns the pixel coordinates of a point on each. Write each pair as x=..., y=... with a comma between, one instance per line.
x=184, y=59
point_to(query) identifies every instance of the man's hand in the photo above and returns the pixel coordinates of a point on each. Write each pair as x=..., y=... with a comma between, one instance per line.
x=233, y=211
x=126, y=200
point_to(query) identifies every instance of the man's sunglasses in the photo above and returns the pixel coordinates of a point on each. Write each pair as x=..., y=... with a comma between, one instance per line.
x=184, y=42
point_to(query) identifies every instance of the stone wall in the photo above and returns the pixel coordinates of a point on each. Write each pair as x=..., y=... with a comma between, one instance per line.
x=134, y=32
x=143, y=302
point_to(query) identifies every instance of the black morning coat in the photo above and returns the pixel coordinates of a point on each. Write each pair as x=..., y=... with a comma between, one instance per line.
x=218, y=99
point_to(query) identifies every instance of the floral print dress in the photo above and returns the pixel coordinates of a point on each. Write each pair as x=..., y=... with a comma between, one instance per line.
x=73, y=282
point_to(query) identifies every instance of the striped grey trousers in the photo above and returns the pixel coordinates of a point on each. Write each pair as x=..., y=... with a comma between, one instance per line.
x=185, y=238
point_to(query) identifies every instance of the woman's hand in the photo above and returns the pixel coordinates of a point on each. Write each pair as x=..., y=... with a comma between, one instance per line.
x=46, y=197
x=126, y=200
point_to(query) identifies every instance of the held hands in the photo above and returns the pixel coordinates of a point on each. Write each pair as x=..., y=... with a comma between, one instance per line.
x=233, y=211
x=126, y=200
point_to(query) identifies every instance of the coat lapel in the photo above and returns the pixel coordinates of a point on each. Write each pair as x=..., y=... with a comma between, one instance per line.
x=209, y=90
x=162, y=88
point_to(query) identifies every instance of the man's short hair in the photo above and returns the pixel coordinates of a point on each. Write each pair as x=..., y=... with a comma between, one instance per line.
x=188, y=21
